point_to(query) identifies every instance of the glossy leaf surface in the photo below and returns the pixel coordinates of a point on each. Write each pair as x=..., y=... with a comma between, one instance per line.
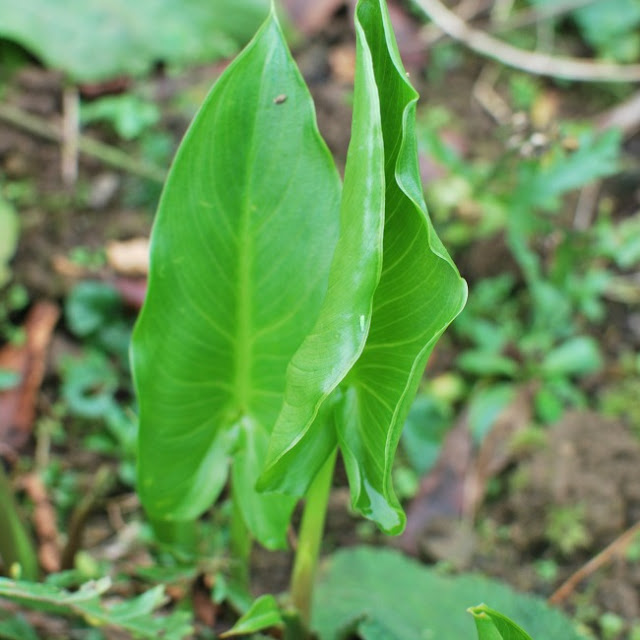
x=240, y=257
x=304, y=435
x=418, y=294
x=492, y=625
x=263, y=613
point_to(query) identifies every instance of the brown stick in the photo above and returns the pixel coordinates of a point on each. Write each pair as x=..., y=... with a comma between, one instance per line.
x=102, y=484
x=531, y=62
x=534, y=15
x=107, y=154
x=598, y=561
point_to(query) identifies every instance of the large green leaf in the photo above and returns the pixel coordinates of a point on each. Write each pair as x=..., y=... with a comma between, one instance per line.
x=418, y=295
x=240, y=258
x=379, y=593
x=304, y=436
x=96, y=39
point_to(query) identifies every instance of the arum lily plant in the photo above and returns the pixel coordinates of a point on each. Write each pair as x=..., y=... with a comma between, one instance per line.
x=289, y=316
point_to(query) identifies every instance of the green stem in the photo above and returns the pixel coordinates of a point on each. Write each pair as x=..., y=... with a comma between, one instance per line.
x=240, y=546
x=16, y=547
x=310, y=538
x=180, y=534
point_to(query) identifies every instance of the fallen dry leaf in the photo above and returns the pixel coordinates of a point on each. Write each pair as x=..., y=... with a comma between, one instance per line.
x=132, y=290
x=44, y=522
x=28, y=360
x=342, y=60
x=454, y=489
x=496, y=451
x=129, y=257
x=441, y=492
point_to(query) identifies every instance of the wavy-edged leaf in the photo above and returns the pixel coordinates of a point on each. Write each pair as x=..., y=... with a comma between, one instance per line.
x=418, y=295
x=304, y=436
x=240, y=257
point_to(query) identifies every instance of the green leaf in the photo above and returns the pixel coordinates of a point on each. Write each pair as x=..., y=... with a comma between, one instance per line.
x=90, y=306
x=304, y=437
x=89, y=385
x=611, y=26
x=16, y=548
x=129, y=115
x=485, y=407
x=379, y=593
x=418, y=295
x=424, y=431
x=240, y=259
x=8, y=379
x=492, y=625
x=264, y=613
x=135, y=616
x=541, y=184
x=484, y=362
x=93, y=40
x=579, y=355
x=45, y=594
x=9, y=234
x=15, y=627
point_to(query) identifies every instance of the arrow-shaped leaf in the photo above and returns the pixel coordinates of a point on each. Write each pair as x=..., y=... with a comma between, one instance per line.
x=240, y=256
x=418, y=294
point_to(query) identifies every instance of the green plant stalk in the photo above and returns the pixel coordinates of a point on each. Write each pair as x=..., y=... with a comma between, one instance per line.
x=240, y=546
x=310, y=538
x=16, y=547
x=181, y=534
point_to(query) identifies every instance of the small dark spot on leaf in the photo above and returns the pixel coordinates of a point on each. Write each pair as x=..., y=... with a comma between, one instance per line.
x=280, y=99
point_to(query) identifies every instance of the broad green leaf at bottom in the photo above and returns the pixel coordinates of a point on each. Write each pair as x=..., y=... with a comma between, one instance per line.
x=380, y=590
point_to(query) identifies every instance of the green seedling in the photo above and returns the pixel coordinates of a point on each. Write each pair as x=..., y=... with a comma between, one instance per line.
x=288, y=315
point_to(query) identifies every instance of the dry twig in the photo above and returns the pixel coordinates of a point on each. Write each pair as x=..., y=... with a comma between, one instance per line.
x=103, y=152
x=70, y=135
x=538, y=14
x=617, y=547
x=531, y=62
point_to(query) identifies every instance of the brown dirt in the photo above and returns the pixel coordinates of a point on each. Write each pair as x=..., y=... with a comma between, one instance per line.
x=589, y=470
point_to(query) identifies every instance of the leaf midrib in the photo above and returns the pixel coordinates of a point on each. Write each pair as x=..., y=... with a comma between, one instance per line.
x=244, y=341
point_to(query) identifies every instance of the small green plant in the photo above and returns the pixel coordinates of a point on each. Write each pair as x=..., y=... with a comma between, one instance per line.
x=531, y=324
x=288, y=316
x=566, y=529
